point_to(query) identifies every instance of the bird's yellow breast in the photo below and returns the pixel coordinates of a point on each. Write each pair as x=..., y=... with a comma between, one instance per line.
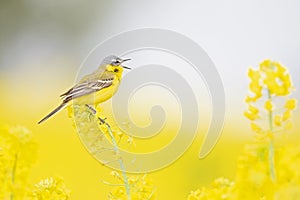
x=108, y=92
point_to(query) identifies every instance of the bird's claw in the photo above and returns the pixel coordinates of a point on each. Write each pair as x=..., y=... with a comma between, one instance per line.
x=102, y=121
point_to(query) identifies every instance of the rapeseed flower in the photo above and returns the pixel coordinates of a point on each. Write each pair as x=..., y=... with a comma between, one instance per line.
x=258, y=168
x=18, y=152
x=272, y=79
x=141, y=188
x=50, y=189
x=220, y=189
x=266, y=169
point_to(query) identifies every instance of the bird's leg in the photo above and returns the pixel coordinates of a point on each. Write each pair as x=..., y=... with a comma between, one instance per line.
x=91, y=108
x=102, y=121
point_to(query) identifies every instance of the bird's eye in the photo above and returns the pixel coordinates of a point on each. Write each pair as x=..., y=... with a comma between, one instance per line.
x=116, y=70
x=116, y=63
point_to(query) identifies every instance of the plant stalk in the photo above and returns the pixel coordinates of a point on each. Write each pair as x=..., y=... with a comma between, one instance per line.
x=271, y=145
x=13, y=174
x=122, y=166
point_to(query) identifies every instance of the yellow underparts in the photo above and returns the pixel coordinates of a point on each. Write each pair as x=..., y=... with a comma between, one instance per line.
x=96, y=98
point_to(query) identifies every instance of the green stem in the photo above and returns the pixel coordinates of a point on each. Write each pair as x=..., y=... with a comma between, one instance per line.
x=14, y=174
x=271, y=145
x=116, y=149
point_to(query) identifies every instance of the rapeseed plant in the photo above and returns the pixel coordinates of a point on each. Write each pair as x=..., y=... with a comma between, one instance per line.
x=18, y=152
x=259, y=171
x=94, y=128
x=267, y=169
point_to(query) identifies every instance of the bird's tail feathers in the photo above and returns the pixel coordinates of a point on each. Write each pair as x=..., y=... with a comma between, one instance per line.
x=61, y=106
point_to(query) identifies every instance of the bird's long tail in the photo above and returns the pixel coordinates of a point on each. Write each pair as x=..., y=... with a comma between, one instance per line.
x=61, y=106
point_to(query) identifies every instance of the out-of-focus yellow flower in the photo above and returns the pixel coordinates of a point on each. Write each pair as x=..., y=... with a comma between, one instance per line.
x=18, y=154
x=256, y=128
x=261, y=173
x=141, y=188
x=277, y=120
x=276, y=81
x=265, y=64
x=270, y=81
x=290, y=104
x=254, y=86
x=251, y=116
x=252, y=112
x=221, y=188
x=268, y=105
x=115, y=174
x=261, y=135
x=50, y=189
x=286, y=115
x=276, y=78
x=264, y=171
x=253, y=109
x=197, y=194
x=252, y=177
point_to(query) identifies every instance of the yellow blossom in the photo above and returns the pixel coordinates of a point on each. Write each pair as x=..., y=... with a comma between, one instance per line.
x=50, y=189
x=268, y=105
x=270, y=81
x=141, y=188
x=253, y=109
x=259, y=174
x=279, y=68
x=266, y=64
x=286, y=115
x=18, y=154
x=276, y=78
x=290, y=104
x=115, y=174
x=255, y=127
x=196, y=195
x=254, y=86
x=252, y=112
x=253, y=99
x=277, y=120
x=261, y=136
x=221, y=188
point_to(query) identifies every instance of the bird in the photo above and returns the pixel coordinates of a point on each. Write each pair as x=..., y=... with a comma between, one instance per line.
x=96, y=87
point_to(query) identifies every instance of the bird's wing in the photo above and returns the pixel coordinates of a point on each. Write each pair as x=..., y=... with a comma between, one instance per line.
x=86, y=87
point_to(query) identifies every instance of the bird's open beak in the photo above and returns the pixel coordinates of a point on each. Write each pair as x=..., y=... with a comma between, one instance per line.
x=124, y=60
x=126, y=67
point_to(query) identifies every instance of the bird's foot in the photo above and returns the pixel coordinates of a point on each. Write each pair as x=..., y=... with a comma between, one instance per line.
x=102, y=120
x=91, y=108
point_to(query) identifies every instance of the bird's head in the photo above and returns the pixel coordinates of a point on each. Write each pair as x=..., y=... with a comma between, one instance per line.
x=114, y=64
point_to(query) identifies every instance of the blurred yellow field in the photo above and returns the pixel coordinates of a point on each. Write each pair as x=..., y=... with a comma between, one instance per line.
x=237, y=168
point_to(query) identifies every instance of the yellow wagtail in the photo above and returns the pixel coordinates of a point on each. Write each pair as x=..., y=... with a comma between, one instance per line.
x=103, y=83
